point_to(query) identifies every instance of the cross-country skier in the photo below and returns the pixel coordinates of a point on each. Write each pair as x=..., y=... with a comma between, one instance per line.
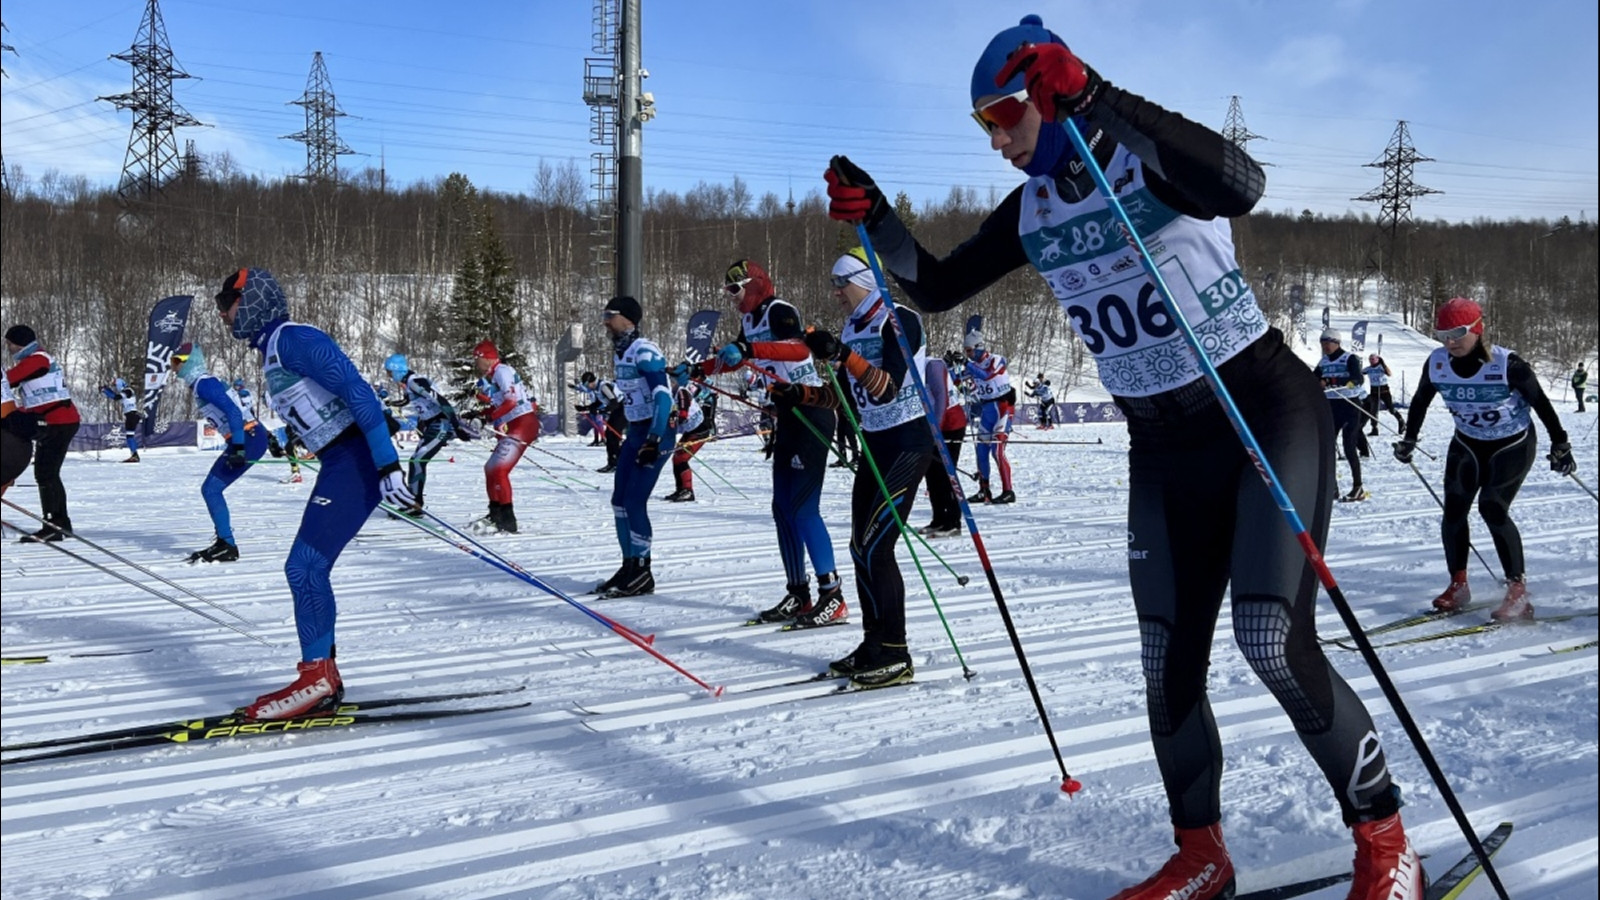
x=1580, y=384
x=1491, y=393
x=437, y=422
x=118, y=392
x=314, y=387
x=1039, y=389
x=41, y=395
x=246, y=399
x=642, y=382
x=693, y=427
x=1199, y=519
x=1379, y=397
x=997, y=402
x=1341, y=375
x=953, y=427
x=513, y=415
x=771, y=342
x=895, y=435
x=589, y=405
x=246, y=442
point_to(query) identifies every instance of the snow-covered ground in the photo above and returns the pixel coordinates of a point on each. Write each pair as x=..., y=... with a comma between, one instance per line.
x=621, y=779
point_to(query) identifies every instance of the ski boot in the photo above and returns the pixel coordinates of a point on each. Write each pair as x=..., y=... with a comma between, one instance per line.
x=1356, y=495
x=828, y=609
x=681, y=495
x=1515, y=607
x=639, y=581
x=797, y=597
x=1455, y=597
x=219, y=551
x=490, y=523
x=621, y=576
x=1386, y=867
x=45, y=535
x=1200, y=870
x=133, y=458
x=317, y=688
x=505, y=518
x=607, y=468
x=939, y=530
x=982, y=496
x=888, y=666
x=1005, y=497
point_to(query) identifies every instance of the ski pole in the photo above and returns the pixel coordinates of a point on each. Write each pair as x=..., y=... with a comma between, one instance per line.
x=912, y=534
x=1586, y=489
x=1285, y=505
x=534, y=445
x=1392, y=429
x=712, y=469
x=894, y=512
x=474, y=548
x=141, y=585
x=1069, y=785
x=1438, y=500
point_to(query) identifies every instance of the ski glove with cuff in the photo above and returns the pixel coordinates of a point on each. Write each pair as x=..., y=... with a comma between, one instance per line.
x=852, y=196
x=392, y=489
x=650, y=452
x=1561, y=461
x=1059, y=84
x=1403, y=450
x=236, y=457
x=824, y=346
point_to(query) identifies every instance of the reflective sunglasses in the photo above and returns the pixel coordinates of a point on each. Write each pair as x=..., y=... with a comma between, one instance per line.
x=1456, y=333
x=1003, y=112
x=839, y=281
x=734, y=287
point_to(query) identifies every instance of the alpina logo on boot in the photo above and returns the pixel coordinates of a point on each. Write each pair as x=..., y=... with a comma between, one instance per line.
x=1196, y=884
x=311, y=692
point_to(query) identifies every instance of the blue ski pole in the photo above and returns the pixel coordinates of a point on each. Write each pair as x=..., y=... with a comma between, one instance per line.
x=1285, y=505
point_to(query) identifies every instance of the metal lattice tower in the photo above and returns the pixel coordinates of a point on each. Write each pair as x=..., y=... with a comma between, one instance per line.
x=152, y=156
x=5, y=180
x=321, y=135
x=1398, y=190
x=600, y=92
x=191, y=162
x=1234, y=129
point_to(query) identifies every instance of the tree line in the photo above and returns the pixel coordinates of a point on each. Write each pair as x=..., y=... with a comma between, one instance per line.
x=432, y=268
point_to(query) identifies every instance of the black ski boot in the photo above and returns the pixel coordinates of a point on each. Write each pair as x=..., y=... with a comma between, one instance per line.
x=797, y=598
x=622, y=576
x=638, y=583
x=219, y=551
x=505, y=518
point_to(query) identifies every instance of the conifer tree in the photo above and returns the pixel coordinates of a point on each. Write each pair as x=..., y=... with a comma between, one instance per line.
x=483, y=302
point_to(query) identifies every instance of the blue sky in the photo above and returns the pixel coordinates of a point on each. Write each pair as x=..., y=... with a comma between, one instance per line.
x=1503, y=97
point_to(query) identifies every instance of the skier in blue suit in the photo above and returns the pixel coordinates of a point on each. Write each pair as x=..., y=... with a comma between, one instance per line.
x=247, y=441
x=314, y=387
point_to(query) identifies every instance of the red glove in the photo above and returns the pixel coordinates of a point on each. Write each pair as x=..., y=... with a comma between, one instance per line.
x=1058, y=82
x=852, y=197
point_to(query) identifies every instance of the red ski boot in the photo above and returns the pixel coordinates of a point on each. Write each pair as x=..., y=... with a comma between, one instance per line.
x=1515, y=607
x=1456, y=596
x=1386, y=868
x=1200, y=870
x=317, y=688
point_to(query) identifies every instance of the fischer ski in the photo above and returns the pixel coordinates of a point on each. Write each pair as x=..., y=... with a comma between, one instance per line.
x=1475, y=628
x=186, y=729
x=1455, y=880
x=1422, y=618
x=1447, y=887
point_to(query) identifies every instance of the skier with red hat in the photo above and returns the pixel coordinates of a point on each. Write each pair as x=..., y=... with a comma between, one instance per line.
x=512, y=414
x=1492, y=393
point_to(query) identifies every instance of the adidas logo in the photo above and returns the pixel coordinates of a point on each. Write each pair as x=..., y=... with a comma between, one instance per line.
x=795, y=463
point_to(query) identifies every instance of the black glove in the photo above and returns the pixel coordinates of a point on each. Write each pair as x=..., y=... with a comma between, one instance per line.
x=1403, y=450
x=650, y=452
x=1561, y=461
x=824, y=346
x=852, y=196
x=236, y=457
x=462, y=432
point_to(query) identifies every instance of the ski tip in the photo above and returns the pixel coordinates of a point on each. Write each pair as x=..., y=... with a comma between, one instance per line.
x=1070, y=785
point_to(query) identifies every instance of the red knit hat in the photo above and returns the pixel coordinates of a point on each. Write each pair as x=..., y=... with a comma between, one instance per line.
x=486, y=350
x=1460, y=312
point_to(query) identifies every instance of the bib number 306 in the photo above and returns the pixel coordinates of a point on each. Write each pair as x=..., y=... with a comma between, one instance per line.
x=1116, y=322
